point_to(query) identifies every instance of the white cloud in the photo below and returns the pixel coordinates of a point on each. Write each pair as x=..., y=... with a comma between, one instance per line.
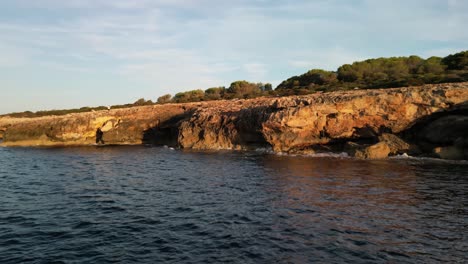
x=256, y=71
x=301, y=63
x=442, y=52
x=328, y=58
x=11, y=56
x=176, y=45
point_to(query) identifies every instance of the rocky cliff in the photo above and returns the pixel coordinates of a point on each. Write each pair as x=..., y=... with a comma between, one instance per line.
x=431, y=119
x=119, y=126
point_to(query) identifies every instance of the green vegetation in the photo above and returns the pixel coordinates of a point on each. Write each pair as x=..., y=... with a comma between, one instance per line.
x=458, y=61
x=368, y=74
x=380, y=73
x=56, y=112
x=311, y=81
x=142, y=101
x=237, y=89
x=164, y=99
x=243, y=89
x=139, y=102
x=189, y=96
x=215, y=93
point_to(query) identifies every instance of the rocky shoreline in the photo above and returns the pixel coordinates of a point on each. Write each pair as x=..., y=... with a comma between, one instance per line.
x=429, y=120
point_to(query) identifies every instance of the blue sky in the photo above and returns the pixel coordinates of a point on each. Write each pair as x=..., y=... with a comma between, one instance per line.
x=57, y=54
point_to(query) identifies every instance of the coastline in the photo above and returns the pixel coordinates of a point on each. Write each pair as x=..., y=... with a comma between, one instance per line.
x=363, y=123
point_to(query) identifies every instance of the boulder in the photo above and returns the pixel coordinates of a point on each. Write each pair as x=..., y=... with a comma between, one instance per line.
x=351, y=148
x=377, y=151
x=396, y=144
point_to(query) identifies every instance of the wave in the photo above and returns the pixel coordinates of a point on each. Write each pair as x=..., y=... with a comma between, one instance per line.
x=405, y=156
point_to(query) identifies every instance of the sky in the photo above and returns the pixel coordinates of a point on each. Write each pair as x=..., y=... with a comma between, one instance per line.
x=57, y=54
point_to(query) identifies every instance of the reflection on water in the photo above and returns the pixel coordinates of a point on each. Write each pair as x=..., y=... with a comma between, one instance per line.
x=147, y=205
x=374, y=208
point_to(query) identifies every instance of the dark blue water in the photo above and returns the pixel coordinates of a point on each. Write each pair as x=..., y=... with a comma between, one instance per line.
x=156, y=205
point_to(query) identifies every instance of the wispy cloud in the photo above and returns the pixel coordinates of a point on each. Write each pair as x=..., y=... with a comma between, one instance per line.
x=166, y=46
x=256, y=71
x=11, y=56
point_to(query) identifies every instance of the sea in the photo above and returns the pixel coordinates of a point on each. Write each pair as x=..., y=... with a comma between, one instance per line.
x=147, y=204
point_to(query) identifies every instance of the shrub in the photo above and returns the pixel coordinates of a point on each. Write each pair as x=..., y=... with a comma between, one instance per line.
x=164, y=99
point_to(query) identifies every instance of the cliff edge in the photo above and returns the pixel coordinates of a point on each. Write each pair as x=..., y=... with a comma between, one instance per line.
x=425, y=120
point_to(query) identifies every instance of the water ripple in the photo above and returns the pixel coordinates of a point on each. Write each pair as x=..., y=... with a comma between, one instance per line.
x=155, y=205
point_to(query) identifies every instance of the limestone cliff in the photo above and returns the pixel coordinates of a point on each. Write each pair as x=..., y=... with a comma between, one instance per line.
x=287, y=124
x=120, y=126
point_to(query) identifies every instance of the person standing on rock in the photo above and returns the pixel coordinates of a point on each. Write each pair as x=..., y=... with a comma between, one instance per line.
x=99, y=135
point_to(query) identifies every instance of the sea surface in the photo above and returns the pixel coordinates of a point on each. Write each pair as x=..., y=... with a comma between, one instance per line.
x=146, y=204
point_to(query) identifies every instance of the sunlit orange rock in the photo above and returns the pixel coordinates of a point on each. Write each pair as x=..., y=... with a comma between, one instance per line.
x=286, y=124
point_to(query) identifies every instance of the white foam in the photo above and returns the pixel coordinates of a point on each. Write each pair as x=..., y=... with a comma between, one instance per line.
x=315, y=155
x=330, y=155
x=405, y=156
x=402, y=156
x=267, y=150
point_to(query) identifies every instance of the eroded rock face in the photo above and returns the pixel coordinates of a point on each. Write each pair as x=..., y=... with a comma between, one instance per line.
x=297, y=124
x=120, y=126
x=445, y=130
x=233, y=124
x=321, y=119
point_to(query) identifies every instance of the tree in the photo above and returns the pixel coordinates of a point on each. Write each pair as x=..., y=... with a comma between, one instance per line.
x=414, y=62
x=457, y=61
x=214, y=93
x=309, y=80
x=432, y=65
x=347, y=73
x=395, y=68
x=189, y=96
x=142, y=101
x=243, y=89
x=164, y=99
